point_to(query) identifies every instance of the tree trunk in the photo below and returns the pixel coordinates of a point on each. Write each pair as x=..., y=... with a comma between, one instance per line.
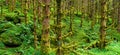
x=103, y=23
x=71, y=15
x=35, y=21
x=7, y=2
x=39, y=11
x=93, y=2
x=1, y=5
x=45, y=44
x=12, y=5
x=29, y=4
x=26, y=11
x=113, y=12
x=119, y=16
x=22, y=6
x=58, y=29
x=82, y=18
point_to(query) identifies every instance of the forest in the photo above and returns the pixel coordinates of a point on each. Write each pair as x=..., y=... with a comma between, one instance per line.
x=59, y=27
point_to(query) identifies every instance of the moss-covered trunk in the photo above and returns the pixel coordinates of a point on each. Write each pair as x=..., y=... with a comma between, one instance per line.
x=39, y=8
x=45, y=44
x=26, y=11
x=58, y=29
x=103, y=24
x=114, y=13
x=12, y=5
x=82, y=18
x=35, y=23
x=1, y=5
x=22, y=5
x=71, y=15
x=93, y=14
x=119, y=16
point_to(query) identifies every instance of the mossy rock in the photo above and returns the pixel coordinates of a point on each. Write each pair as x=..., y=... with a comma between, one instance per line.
x=11, y=37
x=12, y=42
x=12, y=17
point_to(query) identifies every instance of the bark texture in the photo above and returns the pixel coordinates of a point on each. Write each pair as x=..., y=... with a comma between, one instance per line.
x=45, y=44
x=103, y=23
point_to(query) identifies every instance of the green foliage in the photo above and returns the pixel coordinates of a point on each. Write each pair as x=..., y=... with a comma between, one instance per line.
x=113, y=34
x=13, y=30
x=11, y=33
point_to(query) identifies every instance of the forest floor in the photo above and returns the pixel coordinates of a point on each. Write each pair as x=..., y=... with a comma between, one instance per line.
x=81, y=35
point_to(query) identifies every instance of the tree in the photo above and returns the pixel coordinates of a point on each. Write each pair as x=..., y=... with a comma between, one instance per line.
x=89, y=9
x=118, y=16
x=22, y=5
x=6, y=1
x=39, y=10
x=45, y=44
x=103, y=24
x=93, y=9
x=82, y=10
x=115, y=12
x=58, y=28
x=1, y=5
x=26, y=11
x=35, y=21
x=29, y=3
x=12, y=5
x=71, y=2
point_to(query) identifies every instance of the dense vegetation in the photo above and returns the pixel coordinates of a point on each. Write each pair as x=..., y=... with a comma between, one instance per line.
x=59, y=27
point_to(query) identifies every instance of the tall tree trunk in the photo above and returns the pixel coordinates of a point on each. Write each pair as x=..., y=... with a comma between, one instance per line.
x=26, y=11
x=9, y=5
x=12, y=5
x=118, y=16
x=22, y=5
x=113, y=12
x=71, y=15
x=7, y=2
x=29, y=4
x=39, y=11
x=58, y=29
x=35, y=23
x=90, y=9
x=93, y=2
x=103, y=23
x=82, y=18
x=45, y=44
x=1, y=5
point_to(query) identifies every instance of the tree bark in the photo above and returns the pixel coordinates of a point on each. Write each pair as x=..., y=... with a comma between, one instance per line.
x=58, y=29
x=1, y=5
x=7, y=2
x=26, y=11
x=93, y=2
x=119, y=16
x=39, y=11
x=103, y=24
x=45, y=44
x=71, y=14
x=82, y=18
x=35, y=23
x=12, y=5
x=22, y=5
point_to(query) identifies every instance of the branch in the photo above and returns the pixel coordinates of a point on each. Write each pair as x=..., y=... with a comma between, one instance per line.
x=70, y=45
x=77, y=53
x=70, y=33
